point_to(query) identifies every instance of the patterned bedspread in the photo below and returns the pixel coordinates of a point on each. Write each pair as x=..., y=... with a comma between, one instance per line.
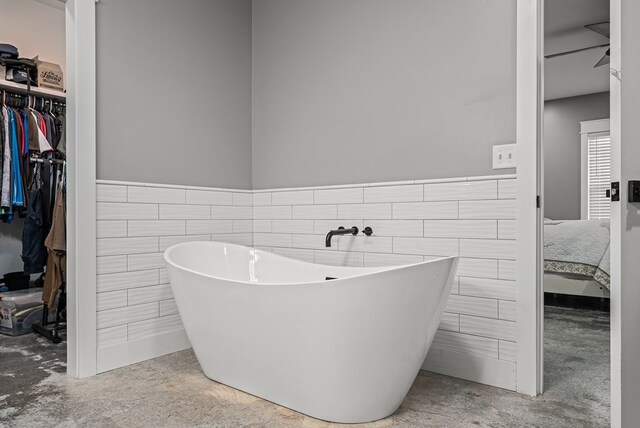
x=578, y=247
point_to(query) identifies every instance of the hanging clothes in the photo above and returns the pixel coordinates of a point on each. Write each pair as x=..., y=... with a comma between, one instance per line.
x=34, y=136
x=1, y=157
x=16, y=178
x=32, y=185
x=33, y=128
x=28, y=127
x=56, y=242
x=62, y=141
x=40, y=130
x=34, y=252
x=5, y=193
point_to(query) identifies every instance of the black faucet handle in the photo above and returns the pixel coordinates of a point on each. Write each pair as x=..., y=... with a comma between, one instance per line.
x=367, y=231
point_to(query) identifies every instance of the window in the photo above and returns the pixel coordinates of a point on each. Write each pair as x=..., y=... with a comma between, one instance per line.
x=596, y=169
x=599, y=175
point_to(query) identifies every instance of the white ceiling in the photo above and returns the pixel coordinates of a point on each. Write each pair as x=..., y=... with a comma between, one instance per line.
x=573, y=75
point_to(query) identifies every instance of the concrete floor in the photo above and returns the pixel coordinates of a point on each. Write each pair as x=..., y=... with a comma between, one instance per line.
x=172, y=391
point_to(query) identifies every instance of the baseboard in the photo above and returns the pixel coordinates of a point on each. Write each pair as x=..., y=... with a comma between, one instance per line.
x=124, y=354
x=488, y=371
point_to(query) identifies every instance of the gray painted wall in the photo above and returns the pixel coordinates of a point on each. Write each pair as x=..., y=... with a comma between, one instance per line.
x=562, y=151
x=174, y=91
x=376, y=90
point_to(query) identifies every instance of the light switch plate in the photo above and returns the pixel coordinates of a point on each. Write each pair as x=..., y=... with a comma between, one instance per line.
x=504, y=156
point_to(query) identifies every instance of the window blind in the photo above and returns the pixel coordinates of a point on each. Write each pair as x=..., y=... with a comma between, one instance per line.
x=599, y=175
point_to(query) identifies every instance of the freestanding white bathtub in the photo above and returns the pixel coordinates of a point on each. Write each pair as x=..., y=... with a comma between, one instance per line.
x=343, y=350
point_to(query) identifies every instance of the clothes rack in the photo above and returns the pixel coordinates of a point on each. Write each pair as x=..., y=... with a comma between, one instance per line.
x=17, y=98
x=38, y=149
x=51, y=329
x=19, y=89
x=34, y=159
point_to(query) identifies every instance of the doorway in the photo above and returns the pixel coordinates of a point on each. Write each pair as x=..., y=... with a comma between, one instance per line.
x=576, y=155
x=75, y=40
x=576, y=158
x=625, y=226
x=33, y=302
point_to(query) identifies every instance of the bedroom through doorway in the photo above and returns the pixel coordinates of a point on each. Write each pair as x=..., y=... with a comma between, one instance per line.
x=577, y=200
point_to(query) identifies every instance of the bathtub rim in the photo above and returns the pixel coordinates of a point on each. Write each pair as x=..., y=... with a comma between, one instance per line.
x=380, y=269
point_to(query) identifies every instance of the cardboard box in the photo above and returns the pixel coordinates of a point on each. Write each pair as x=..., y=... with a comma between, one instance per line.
x=49, y=75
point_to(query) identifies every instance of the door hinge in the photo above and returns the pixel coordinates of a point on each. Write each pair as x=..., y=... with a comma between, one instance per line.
x=538, y=201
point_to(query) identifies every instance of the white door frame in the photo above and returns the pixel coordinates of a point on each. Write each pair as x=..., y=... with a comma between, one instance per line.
x=625, y=217
x=616, y=221
x=529, y=105
x=81, y=187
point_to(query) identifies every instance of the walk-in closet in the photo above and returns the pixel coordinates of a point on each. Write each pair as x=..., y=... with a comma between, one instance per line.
x=33, y=172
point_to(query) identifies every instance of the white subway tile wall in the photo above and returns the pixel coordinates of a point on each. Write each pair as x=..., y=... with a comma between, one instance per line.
x=136, y=223
x=472, y=218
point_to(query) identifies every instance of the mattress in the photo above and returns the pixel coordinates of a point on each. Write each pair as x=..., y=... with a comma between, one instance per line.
x=578, y=247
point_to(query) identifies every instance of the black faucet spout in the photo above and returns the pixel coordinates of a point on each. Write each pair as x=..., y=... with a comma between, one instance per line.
x=339, y=231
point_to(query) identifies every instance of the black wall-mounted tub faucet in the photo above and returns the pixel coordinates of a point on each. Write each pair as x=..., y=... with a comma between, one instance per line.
x=339, y=231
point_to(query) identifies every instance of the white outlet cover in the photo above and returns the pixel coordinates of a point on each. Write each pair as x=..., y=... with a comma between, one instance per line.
x=504, y=156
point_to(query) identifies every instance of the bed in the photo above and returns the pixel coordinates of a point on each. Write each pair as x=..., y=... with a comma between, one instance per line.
x=576, y=257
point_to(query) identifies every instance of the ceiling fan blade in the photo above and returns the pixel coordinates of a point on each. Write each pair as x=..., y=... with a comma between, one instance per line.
x=606, y=59
x=601, y=28
x=576, y=51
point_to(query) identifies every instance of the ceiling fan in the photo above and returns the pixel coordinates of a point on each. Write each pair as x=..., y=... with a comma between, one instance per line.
x=601, y=28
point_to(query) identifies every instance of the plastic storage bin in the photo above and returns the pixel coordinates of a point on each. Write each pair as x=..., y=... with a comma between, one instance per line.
x=19, y=310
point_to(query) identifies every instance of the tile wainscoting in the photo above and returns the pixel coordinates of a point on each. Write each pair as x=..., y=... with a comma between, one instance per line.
x=137, y=317
x=471, y=217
